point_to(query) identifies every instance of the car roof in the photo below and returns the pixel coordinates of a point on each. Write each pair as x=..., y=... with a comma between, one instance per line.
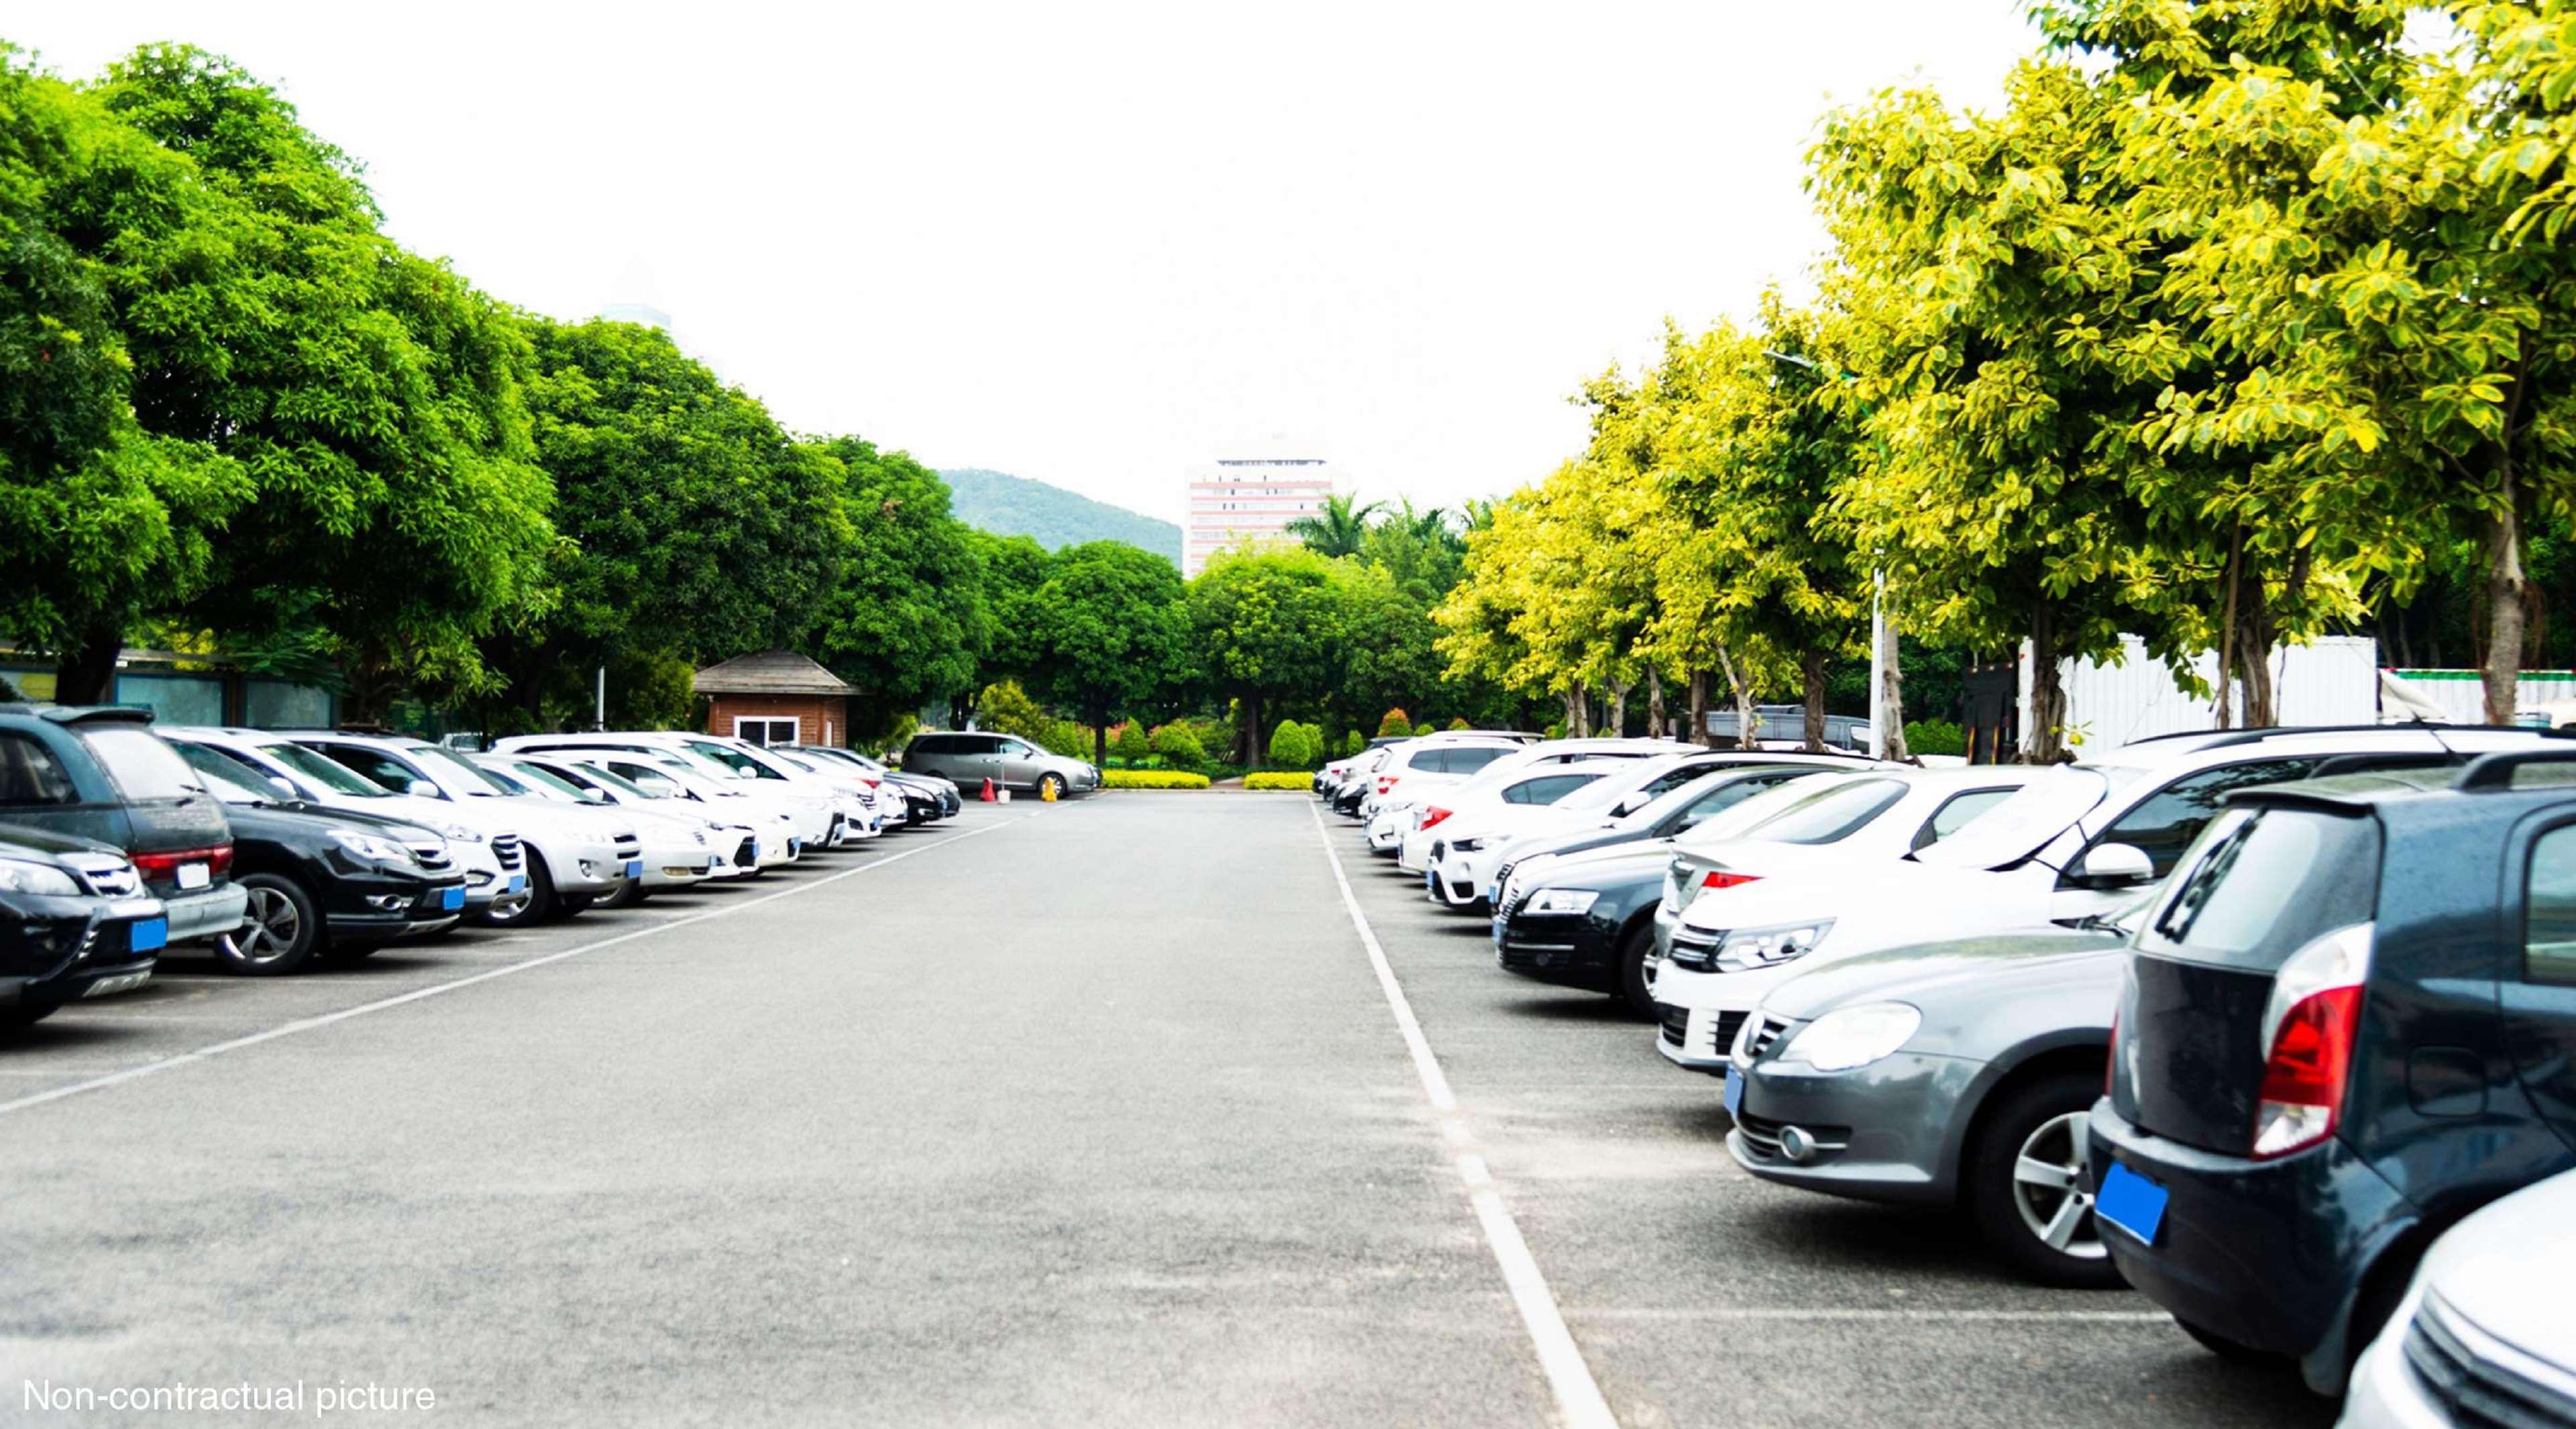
x=79, y=714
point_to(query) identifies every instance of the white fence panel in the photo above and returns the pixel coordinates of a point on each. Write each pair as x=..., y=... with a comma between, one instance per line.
x=2463, y=699
x=2333, y=681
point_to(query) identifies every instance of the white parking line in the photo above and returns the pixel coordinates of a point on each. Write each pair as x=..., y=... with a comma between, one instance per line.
x=1766, y=1312
x=308, y=1024
x=1578, y=1397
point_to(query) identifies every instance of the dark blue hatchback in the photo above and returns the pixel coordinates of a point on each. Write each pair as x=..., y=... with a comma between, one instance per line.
x=2349, y=1022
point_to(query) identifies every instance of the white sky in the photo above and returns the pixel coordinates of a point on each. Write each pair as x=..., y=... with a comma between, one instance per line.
x=1098, y=244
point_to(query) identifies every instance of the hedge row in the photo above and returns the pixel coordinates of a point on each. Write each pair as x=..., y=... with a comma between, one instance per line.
x=1152, y=779
x=1279, y=779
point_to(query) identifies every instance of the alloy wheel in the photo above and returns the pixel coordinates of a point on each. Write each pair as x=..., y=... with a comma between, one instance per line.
x=272, y=931
x=2048, y=1188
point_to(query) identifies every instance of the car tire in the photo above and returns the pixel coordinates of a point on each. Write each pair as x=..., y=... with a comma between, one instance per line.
x=572, y=903
x=541, y=898
x=344, y=951
x=628, y=894
x=1051, y=787
x=27, y=1014
x=1636, y=958
x=2025, y=1185
x=283, y=933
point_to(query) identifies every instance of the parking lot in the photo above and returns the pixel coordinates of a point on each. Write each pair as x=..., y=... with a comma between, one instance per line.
x=1051, y=1114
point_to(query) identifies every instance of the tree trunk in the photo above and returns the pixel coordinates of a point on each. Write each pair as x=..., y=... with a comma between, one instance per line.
x=2045, y=741
x=86, y=673
x=1614, y=724
x=1699, y=709
x=2254, y=642
x=1891, y=693
x=2227, y=627
x=1574, y=713
x=2505, y=610
x=1746, y=732
x=1250, y=753
x=1655, y=728
x=1812, y=666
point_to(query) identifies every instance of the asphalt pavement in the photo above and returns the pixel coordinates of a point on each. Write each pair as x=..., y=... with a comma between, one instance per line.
x=1088, y=1113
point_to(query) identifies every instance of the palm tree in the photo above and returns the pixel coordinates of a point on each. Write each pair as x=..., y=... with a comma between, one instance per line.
x=1337, y=529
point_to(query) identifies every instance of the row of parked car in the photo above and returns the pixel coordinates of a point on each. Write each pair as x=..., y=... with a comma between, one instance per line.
x=2277, y=1026
x=272, y=850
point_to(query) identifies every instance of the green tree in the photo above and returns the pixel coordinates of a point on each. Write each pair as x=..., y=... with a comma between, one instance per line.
x=1014, y=569
x=1111, y=632
x=908, y=617
x=1133, y=745
x=1337, y=529
x=1268, y=628
x=1396, y=723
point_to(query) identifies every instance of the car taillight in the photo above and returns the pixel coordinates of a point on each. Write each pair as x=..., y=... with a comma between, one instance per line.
x=1385, y=782
x=2309, y=1025
x=218, y=860
x=1433, y=815
x=1720, y=878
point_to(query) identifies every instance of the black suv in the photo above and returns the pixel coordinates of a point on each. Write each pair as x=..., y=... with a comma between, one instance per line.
x=101, y=773
x=2348, y=1021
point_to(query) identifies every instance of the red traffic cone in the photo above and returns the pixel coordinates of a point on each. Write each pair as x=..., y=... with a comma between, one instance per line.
x=987, y=795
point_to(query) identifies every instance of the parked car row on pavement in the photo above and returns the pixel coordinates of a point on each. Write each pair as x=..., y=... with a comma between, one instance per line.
x=2277, y=1026
x=273, y=850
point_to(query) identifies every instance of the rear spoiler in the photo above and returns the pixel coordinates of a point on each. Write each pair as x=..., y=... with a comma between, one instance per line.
x=95, y=714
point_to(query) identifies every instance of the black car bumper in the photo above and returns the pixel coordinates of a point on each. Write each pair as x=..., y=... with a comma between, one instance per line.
x=56, y=950
x=390, y=906
x=1567, y=949
x=2269, y=1254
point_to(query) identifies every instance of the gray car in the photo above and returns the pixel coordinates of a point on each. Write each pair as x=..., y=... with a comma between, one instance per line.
x=1948, y=1074
x=969, y=758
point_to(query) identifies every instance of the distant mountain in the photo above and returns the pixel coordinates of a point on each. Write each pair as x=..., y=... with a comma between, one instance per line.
x=1009, y=505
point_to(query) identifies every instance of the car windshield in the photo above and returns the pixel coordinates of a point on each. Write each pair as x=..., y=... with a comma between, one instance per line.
x=1678, y=798
x=1602, y=793
x=1832, y=815
x=471, y=778
x=226, y=779
x=1743, y=819
x=2023, y=824
x=2261, y=882
x=539, y=779
x=740, y=761
x=314, y=767
x=611, y=779
x=143, y=765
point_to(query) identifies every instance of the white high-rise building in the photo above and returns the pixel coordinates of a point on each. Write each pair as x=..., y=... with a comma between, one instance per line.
x=1238, y=499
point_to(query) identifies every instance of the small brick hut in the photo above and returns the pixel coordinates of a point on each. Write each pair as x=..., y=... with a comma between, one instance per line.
x=776, y=697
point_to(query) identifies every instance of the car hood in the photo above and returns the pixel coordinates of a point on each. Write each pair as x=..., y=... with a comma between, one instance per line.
x=1584, y=870
x=1584, y=862
x=2505, y=1270
x=1878, y=902
x=17, y=837
x=1973, y=971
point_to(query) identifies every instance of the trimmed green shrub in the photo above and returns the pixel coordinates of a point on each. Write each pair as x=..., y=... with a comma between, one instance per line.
x=1397, y=722
x=1935, y=736
x=1176, y=744
x=1131, y=744
x=1352, y=743
x=1279, y=779
x=1424, y=729
x=1460, y=723
x=1151, y=779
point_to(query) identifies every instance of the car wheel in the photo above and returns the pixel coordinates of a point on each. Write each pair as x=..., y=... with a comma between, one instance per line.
x=1050, y=787
x=1636, y=971
x=2026, y=1184
x=282, y=934
x=628, y=894
x=535, y=906
x=27, y=1014
x=572, y=903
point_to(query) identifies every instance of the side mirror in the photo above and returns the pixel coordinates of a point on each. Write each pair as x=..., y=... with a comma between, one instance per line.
x=278, y=783
x=1632, y=803
x=422, y=789
x=594, y=796
x=2115, y=866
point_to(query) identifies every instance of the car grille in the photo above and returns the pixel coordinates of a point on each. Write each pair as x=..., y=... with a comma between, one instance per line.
x=1723, y=1040
x=1439, y=849
x=1764, y=1035
x=748, y=854
x=505, y=850
x=628, y=846
x=1695, y=948
x=1676, y=1022
x=106, y=877
x=429, y=855
x=2474, y=1390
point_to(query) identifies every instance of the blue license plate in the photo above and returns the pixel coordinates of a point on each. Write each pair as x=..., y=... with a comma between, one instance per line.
x=634, y=869
x=1498, y=931
x=518, y=883
x=451, y=899
x=1430, y=880
x=147, y=934
x=2131, y=1202
x=1734, y=1092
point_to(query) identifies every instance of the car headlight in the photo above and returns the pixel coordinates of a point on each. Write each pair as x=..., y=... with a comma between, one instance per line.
x=371, y=847
x=1465, y=845
x=1852, y=1037
x=21, y=876
x=1744, y=948
x=1561, y=900
x=460, y=834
